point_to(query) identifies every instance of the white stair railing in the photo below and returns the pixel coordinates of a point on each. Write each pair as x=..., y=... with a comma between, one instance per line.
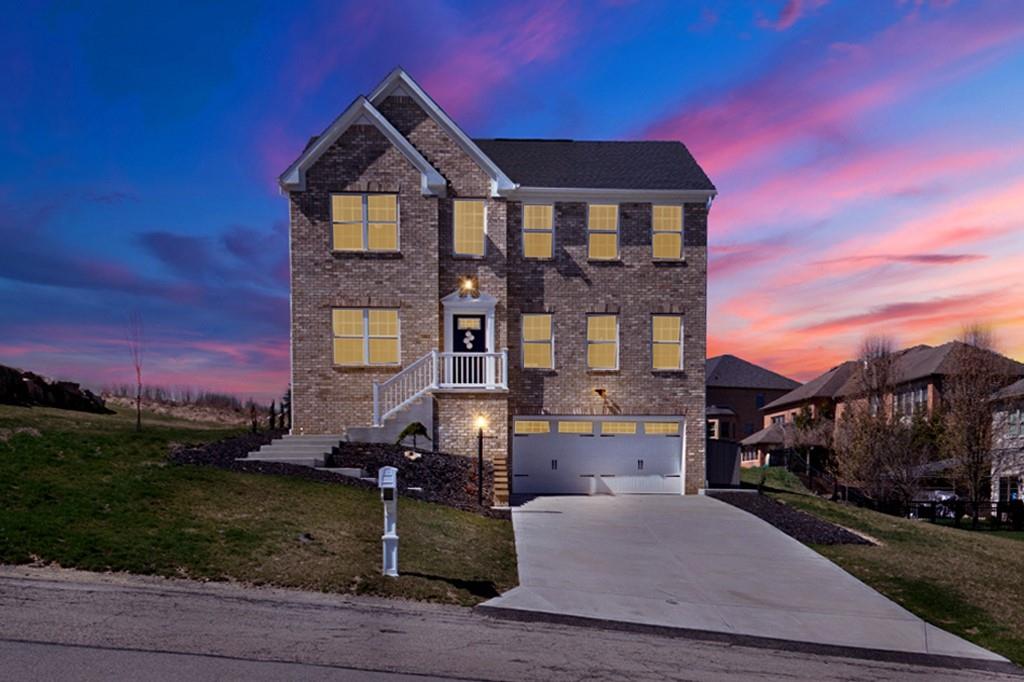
x=439, y=371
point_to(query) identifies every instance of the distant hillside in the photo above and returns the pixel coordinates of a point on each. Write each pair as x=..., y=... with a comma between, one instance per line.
x=18, y=387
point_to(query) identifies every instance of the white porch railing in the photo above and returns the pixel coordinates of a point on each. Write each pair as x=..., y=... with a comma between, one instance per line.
x=438, y=371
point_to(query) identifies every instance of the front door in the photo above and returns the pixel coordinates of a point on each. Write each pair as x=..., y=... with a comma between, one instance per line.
x=469, y=335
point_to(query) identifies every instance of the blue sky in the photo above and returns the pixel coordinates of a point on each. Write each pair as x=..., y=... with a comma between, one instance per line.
x=870, y=163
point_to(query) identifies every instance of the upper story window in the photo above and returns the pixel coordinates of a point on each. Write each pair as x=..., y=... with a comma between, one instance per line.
x=470, y=227
x=365, y=336
x=603, y=341
x=603, y=232
x=667, y=341
x=779, y=419
x=538, y=230
x=538, y=345
x=364, y=222
x=667, y=232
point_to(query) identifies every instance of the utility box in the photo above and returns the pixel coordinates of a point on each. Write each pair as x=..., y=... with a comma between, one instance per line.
x=387, y=481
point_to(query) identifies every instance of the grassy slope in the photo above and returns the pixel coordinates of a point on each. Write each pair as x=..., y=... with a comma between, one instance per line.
x=91, y=493
x=970, y=583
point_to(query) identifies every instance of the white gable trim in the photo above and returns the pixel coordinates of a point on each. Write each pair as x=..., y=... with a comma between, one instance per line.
x=362, y=112
x=399, y=82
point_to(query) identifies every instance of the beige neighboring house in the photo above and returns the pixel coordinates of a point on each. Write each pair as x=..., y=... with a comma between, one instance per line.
x=1008, y=438
x=552, y=292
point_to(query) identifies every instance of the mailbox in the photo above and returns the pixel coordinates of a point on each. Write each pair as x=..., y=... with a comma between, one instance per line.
x=387, y=481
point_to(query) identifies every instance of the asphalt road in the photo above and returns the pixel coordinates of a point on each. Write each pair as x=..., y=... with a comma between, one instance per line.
x=70, y=625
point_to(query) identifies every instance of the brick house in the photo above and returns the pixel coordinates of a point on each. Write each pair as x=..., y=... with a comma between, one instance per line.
x=1008, y=441
x=736, y=392
x=551, y=291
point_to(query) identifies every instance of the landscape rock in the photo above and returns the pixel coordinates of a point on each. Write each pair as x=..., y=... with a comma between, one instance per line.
x=18, y=387
x=801, y=526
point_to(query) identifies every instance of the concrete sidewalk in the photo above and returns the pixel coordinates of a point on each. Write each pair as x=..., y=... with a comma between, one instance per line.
x=698, y=564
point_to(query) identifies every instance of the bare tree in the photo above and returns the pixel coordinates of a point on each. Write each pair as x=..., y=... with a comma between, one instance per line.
x=876, y=450
x=133, y=337
x=978, y=371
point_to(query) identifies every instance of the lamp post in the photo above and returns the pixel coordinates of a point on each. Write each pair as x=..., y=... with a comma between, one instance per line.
x=481, y=424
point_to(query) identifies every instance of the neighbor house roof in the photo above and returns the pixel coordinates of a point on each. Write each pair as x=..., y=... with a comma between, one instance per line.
x=716, y=411
x=826, y=385
x=1014, y=390
x=920, y=362
x=640, y=165
x=729, y=371
x=769, y=435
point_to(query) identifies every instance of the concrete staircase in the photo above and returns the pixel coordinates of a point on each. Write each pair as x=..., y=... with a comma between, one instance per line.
x=420, y=410
x=310, y=451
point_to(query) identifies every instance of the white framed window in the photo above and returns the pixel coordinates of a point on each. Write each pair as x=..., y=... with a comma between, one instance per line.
x=538, y=231
x=365, y=336
x=538, y=341
x=603, y=342
x=469, y=220
x=667, y=342
x=603, y=231
x=666, y=232
x=364, y=222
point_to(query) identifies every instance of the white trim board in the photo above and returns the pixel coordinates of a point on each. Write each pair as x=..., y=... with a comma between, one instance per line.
x=361, y=111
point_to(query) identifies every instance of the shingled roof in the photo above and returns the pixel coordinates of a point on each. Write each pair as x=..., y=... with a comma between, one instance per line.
x=643, y=165
x=769, y=435
x=729, y=371
x=1014, y=390
x=826, y=385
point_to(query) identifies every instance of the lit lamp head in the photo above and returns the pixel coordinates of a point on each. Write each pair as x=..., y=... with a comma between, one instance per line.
x=468, y=287
x=480, y=423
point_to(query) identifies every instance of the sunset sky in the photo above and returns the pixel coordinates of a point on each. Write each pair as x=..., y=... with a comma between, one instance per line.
x=869, y=158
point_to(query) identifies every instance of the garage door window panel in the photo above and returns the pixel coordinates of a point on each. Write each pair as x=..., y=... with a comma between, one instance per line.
x=618, y=428
x=528, y=426
x=584, y=428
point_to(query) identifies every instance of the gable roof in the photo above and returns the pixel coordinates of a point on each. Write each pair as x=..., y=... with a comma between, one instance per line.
x=729, y=371
x=362, y=112
x=633, y=165
x=399, y=82
x=826, y=385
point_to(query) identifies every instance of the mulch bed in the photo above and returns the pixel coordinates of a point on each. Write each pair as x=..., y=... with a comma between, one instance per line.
x=443, y=479
x=799, y=525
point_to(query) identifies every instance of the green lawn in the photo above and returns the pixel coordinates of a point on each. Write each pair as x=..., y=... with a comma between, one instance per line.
x=88, y=492
x=968, y=582
x=775, y=479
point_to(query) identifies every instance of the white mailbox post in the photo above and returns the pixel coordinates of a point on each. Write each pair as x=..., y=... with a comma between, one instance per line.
x=387, y=481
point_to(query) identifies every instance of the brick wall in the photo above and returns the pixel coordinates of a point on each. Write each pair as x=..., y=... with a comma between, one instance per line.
x=570, y=286
x=328, y=399
x=743, y=401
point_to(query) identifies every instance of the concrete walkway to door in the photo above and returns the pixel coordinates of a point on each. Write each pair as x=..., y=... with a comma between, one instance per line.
x=698, y=564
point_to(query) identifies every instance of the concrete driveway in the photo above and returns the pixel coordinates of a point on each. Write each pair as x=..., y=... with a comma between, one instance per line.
x=696, y=563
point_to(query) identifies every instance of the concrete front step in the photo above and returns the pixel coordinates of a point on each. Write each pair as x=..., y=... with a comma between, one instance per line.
x=300, y=461
x=298, y=447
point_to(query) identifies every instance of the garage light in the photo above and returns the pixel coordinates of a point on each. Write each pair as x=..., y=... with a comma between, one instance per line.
x=480, y=423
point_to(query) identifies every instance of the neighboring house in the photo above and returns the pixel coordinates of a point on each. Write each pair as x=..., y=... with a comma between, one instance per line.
x=736, y=392
x=1008, y=440
x=756, y=449
x=554, y=289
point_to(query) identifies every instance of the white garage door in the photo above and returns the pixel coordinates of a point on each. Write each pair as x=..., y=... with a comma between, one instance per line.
x=592, y=455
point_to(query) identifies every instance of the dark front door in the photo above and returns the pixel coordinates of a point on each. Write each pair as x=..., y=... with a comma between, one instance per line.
x=468, y=336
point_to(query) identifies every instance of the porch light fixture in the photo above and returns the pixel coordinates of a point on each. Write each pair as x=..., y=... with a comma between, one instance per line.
x=480, y=423
x=468, y=287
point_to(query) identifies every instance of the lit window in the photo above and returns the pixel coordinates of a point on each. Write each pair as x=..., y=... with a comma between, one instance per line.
x=528, y=426
x=538, y=352
x=470, y=323
x=364, y=222
x=667, y=341
x=618, y=427
x=603, y=341
x=538, y=230
x=603, y=232
x=667, y=234
x=365, y=336
x=575, y=427
x=469, y=227
x=661, y=428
